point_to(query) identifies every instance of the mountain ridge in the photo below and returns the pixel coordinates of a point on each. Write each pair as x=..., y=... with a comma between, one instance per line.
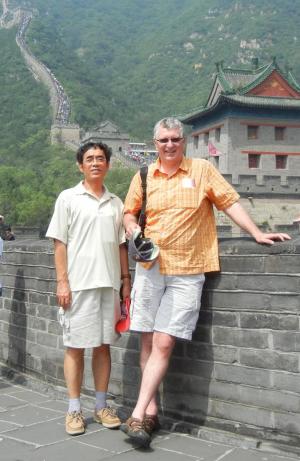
x=151, y=61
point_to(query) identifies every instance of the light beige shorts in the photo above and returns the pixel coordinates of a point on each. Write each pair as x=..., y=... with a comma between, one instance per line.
x=91, y=319
x=166, y=303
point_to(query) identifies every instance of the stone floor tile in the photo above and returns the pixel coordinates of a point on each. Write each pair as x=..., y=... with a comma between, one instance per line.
x=28, y=395
x=29, y=414
x=9, y=401
x=57, y=405
x=12, y=450
x=192, y=446
x=40, y=434
x=239, y=454
x=69, y=450
x=112, y=440
x=5, y=426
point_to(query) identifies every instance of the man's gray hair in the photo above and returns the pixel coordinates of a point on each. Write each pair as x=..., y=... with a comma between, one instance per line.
x=170, y=123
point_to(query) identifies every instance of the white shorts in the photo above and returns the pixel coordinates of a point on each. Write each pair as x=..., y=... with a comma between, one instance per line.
x=91, y=319
x=166, y=303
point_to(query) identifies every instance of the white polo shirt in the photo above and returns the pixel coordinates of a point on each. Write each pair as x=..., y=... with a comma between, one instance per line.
x=92, y=229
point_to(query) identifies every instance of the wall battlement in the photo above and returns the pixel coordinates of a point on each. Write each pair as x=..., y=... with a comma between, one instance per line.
x=265, y=185
x=240, y=373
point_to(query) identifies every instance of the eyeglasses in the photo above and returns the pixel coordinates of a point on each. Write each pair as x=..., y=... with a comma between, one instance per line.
x=172, y=140
x=96, y=159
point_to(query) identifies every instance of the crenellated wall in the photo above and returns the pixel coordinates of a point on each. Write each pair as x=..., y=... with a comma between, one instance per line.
x=263, y=185
x=241, y=372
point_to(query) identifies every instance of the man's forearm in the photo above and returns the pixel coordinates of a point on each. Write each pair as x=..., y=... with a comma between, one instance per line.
x=130, y=224
x=125, y=274
x=63, y=291
x=240, y=217
x=124, y=260
x=61, y=261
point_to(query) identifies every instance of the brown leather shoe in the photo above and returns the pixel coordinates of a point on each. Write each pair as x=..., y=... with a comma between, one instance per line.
x=151, y=423
x=134, y=428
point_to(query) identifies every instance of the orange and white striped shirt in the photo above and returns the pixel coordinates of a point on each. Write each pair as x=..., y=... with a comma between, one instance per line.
x=180, y=218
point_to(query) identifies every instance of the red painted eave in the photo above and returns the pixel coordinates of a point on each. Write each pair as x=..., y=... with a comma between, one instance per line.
x=274, y=86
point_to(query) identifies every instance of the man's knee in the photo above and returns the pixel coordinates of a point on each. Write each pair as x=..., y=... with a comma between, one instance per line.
x=101, y=351
x=163, y=343
x=73, y=352
x=146, y=341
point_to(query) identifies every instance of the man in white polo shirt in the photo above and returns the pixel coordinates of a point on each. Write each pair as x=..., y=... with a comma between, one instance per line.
x=91, y=260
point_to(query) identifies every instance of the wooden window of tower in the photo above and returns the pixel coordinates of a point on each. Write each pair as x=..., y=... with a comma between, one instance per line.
x=252, y=131
x=253, y=160
x=281, y=162
x=206, y=137
x=196, y=142
x=279, y=133
x=218, y=134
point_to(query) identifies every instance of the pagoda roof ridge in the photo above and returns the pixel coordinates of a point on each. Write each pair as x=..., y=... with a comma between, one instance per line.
x=234, y=80
x=261, y=77
x=291, y=79
x=240, y=70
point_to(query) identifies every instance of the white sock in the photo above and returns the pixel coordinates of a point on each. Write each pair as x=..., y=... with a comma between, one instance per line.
x=74, y=405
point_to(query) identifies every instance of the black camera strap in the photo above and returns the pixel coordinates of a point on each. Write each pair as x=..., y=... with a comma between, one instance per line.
x=142, y=216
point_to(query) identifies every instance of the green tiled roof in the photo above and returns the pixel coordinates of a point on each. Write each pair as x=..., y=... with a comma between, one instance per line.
x=236, y=83
x=261, y=101
x=241, y=81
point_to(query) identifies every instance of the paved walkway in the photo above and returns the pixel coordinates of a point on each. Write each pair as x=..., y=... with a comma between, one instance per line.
x=32, y=429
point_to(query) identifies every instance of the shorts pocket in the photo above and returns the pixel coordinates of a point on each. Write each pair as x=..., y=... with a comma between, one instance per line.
x=64, y=322
x=132, y=299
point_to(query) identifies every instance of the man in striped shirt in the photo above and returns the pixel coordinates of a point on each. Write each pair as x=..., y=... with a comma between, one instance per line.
x=166, y=294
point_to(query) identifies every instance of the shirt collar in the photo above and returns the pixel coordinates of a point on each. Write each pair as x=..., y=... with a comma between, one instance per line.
x=183, y=165
x=81, y=190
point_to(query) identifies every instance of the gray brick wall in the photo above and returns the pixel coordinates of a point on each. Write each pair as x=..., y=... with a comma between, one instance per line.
x=241, y=372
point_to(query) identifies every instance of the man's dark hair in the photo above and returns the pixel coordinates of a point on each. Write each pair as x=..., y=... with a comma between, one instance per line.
x=93, y=145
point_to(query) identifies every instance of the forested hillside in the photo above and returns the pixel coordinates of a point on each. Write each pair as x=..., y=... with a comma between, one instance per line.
x=130, y=61
x=135, y=61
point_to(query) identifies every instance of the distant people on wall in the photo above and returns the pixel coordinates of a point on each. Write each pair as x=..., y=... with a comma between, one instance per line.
x=8, y=234
x=5, y=230
x=1, y=226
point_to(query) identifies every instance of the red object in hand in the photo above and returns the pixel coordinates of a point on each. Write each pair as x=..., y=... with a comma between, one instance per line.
x=123, y=324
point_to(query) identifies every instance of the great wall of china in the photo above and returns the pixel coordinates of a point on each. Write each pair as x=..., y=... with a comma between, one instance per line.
x=58, y=99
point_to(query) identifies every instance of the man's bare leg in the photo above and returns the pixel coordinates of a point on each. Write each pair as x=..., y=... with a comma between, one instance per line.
x=73, y=370
x=154, y=371
x=146, y=349
x=101, y=366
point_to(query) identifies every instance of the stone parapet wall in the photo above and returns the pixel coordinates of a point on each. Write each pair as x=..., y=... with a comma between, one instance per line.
x=241, y=372
x=269, y=213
